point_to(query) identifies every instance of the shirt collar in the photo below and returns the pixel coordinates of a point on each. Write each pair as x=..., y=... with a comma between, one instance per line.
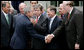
x=71, y=10
x=4, y=13
x=39, y=17
x=53, y=17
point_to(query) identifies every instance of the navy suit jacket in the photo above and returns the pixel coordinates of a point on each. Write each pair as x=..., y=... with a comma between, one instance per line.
x=56, y=22
x=23, y=31
x=54, y=44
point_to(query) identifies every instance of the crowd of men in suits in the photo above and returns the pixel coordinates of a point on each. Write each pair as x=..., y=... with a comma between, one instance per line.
x=34, y=28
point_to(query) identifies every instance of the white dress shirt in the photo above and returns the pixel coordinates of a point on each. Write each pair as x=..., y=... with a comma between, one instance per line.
x=4, y=13
x=51, y=21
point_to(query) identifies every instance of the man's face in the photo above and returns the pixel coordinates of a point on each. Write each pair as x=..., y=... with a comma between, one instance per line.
x=50, y=13
x=33, y=3
x=66, y=7
x=62, y=10
x=21, y=9
x=37, y=12
x=31, y=13
x=7, y=8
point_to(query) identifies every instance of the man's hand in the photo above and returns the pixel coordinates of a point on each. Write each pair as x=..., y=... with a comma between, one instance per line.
x=33, y=21
x=77, y=46
x=48, y=38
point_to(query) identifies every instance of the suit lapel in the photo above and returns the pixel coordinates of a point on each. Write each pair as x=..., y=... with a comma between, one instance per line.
x=54, y=22
x=41, y=19
x=66, y=19
x=4, y=19
x=72, y=13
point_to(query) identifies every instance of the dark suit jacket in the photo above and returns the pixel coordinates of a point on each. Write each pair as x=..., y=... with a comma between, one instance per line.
x=42, y=28
x=14, y=19
x=55, y=43
x=23, y=31
x=6, y=30
x=71, y=28
x=56, y=22
x=41, y=25
x=79, y=24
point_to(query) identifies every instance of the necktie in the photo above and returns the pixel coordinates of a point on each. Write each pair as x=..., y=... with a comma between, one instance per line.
x=68, y=16
x=36, y=19
x=67, y=19
x=7, y=19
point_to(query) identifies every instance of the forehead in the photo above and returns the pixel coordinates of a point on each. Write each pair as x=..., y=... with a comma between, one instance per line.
x=8, y=4
x=64, y=2
x=61, y=5
x=48, y=9
x=33, y=1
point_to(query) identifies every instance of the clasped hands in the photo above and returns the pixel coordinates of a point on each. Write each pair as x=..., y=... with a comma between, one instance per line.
x=48, y=38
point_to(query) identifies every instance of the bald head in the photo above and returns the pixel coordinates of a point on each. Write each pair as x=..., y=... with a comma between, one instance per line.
x=61, y=5
x=21, y=7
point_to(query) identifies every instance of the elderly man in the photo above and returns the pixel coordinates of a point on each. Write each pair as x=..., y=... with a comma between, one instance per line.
x=73, y=25
x=61, y=11
x=24, y=31
x=21, y=7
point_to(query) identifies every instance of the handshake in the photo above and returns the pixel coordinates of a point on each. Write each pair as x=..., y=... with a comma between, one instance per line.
x=48, y=38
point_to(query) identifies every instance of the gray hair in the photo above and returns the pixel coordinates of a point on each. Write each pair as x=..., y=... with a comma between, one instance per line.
x=27, y=9
x=22, y=4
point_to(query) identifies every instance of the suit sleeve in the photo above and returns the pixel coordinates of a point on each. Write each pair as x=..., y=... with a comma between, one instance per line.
x=59, y=29
x=32, y=32
x=42, y=28
x=79, y=26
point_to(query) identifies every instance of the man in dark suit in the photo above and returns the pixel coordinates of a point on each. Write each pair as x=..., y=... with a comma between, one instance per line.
x=73, y=26
x=24, y=30
x=40, y=25
x=6, y=25
x=54, y=22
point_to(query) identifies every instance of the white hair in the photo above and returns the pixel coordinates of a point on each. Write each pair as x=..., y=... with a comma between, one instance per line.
x=22, y=4
x=27, y=9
